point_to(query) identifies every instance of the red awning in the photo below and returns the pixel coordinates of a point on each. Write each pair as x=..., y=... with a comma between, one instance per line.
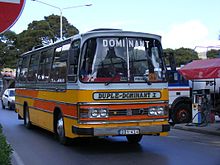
x=201, y=69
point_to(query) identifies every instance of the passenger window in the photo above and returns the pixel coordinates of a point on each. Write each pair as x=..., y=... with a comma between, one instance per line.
x=73, y=60
x=45, y=65
x=33, y=68
x=24, y=68
x=59, y=66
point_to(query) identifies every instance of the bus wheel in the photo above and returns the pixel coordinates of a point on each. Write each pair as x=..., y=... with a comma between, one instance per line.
x=134, y=138
x=60, y=130
x=182, y=114
x=27, y=122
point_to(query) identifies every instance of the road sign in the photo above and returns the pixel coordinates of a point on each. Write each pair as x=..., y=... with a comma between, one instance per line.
x=10, y=11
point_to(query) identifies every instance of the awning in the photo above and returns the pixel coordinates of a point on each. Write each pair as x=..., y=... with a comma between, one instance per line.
x=201, y=69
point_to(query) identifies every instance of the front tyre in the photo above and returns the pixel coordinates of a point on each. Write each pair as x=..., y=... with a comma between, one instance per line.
x=60, y=130
x=134, y=139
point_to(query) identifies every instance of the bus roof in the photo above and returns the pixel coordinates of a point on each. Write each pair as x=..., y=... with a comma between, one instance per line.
x=96, y=33
x=119, y=32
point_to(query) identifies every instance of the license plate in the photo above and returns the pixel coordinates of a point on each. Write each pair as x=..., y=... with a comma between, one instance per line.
x=129, y=131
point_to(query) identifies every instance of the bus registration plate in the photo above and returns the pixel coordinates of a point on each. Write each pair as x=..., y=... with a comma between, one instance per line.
x=129, y=131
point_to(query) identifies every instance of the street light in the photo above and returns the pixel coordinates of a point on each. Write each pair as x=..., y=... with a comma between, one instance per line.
x=61, y=13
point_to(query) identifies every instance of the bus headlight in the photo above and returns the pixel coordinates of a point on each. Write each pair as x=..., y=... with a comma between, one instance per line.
x=156, y=111
x=103, y=113
x=93, y=113
x=98, y=113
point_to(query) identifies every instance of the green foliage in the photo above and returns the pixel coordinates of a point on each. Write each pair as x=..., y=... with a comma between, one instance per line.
x=44, y=32
x=182, y=55
x=54, y=22
x=41, y=32
x=213, y=53
x=8, y=49
x=5, y=150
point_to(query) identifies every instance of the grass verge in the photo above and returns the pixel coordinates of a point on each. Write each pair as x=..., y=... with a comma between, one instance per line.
x=5, y=150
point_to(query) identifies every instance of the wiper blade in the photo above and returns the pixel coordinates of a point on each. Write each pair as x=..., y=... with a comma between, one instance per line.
x=148, y=82
x=112, y=79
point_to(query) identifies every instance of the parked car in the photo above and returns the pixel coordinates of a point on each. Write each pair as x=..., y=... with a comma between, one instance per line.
x=8, y=99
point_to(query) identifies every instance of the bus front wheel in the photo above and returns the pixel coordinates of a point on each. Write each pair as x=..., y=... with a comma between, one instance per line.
x=60, y=130
x=134, y=138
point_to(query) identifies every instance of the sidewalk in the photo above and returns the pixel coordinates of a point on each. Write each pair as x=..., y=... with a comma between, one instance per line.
x=210, y=128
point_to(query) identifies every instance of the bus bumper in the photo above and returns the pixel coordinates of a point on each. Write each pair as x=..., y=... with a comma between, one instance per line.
x=120, y=131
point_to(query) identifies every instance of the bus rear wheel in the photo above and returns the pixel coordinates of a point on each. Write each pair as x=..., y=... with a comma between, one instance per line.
x=134, y=139
x=27, y=122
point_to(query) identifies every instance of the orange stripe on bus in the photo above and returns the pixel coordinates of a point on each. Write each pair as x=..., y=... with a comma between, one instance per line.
x=45, y=105
x=26, y=92
x=70, y=110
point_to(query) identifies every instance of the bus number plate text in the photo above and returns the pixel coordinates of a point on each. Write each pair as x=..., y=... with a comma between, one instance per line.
x=129, y=131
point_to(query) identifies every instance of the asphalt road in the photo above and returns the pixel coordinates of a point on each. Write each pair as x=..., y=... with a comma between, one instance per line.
x=39, y=147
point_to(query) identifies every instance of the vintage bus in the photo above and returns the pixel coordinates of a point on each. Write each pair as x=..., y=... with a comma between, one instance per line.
x=105, y=82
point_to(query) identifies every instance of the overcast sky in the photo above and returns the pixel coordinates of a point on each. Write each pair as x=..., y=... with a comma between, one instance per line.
x=181, y=23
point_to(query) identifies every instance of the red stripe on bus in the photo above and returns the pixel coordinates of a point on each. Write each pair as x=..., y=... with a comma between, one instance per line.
x=178, y=89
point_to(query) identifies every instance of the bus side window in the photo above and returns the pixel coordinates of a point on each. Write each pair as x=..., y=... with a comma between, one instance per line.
x=24, y=68
x=33, y=68
x=59, y=66
x=73, y=60
x=18, y=69
x=45, y=65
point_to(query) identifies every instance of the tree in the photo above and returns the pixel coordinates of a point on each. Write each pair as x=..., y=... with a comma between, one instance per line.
x=68, y=29
x=182, y=55
x=213, y=53
x=9, y=51
x=44, y=32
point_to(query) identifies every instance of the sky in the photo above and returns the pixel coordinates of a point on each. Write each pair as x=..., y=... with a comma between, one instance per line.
x=181, y=23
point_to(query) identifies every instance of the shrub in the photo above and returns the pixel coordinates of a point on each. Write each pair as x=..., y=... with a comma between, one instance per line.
x=5, y=150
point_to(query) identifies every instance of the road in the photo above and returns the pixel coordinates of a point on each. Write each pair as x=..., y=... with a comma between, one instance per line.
x=36, y=146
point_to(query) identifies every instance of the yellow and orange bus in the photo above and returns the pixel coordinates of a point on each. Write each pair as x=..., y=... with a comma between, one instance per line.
x=105, y=82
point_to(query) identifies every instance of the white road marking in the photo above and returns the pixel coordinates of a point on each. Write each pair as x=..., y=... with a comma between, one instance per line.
x=17, y=158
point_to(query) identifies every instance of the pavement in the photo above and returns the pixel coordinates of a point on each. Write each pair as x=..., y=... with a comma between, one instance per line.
x=209, y=128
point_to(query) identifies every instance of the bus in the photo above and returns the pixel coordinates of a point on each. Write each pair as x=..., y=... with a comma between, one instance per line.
x=105, y=82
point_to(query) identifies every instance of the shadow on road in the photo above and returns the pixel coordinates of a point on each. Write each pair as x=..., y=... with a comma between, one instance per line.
x=107, y=150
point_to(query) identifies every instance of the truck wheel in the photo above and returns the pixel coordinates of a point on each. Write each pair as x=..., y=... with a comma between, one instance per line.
x=182, y=114
x=134, y=138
